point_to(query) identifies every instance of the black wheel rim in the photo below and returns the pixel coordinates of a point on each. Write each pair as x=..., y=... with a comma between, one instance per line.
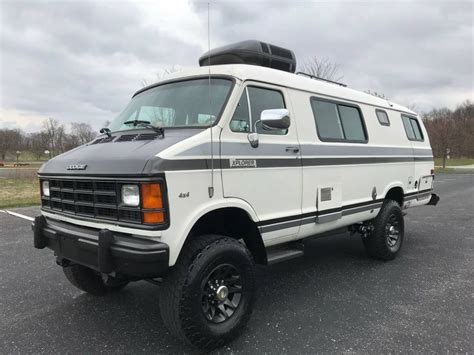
x=392, y=232
x=221, y=293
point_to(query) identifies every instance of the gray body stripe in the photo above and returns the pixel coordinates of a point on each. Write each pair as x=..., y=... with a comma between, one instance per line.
x=361, y=209
x=270, y=149
x=329, y=217
x=317, y=219
x=278, y=226
x=205, y=164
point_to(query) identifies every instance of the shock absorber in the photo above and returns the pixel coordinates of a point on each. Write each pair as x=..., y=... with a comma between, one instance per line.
x=364, y=229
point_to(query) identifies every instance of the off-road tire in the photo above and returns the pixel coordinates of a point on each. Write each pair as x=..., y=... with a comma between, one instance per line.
x=181, y=295
x=91, y=281
x=377, y=243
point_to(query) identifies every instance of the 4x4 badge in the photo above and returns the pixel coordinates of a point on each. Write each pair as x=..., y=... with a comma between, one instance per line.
x=77, y=167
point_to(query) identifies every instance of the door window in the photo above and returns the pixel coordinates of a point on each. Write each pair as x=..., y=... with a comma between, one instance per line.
x=241, y=120
x=251, y=104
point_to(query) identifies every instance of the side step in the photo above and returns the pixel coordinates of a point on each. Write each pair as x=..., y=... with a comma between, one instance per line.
x=278, y=255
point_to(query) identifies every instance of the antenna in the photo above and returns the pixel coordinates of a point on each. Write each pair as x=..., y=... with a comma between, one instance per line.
x=210, y=188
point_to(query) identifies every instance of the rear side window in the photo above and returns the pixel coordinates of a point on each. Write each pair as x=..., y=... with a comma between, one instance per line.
x=412, y=128
x=327, y=120
x=382, y=117
x=338, y=122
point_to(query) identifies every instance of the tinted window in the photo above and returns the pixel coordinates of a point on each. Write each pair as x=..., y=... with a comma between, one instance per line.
x=264, y=99
x=351, y=123
x=327, y=120
x=382, y=117
x=416, y=129
x=412, y=128
x=338, y=122
x=260, y=99
x=408, y=127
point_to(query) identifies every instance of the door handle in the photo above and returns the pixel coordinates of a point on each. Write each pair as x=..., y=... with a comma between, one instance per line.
x=292, y=149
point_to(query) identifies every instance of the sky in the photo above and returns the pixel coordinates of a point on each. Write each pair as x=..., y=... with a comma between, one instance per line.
x=80, y=61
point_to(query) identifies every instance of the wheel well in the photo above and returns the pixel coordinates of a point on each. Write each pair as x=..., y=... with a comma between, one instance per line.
x=395, y=194
x=232, y=222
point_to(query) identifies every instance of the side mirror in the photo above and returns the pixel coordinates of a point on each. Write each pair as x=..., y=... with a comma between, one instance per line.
x=275, y=119
x=253, y=139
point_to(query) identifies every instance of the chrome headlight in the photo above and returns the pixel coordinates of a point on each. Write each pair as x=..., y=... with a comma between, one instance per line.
x=130, y=195
x=45, y=188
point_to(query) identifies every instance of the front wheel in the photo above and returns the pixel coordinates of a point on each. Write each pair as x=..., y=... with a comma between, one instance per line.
x=207, y=298
x=386, y=238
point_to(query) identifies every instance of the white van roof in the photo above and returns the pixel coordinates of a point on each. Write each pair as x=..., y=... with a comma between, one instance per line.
x=286, y=79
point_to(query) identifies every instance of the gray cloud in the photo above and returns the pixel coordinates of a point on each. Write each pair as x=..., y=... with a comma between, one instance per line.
x=81, y=61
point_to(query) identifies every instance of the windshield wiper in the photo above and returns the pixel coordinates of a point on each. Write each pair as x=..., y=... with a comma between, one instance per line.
x=137, y=122
x=147, y=124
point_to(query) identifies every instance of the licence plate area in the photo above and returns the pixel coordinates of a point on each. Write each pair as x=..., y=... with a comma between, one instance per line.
x=72, y=248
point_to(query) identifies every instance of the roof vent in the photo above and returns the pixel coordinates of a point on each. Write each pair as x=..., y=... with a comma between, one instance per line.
x=251, y=52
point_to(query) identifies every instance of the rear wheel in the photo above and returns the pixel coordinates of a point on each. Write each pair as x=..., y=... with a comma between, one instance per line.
x=91, y=281
x=207, y=298
x=386, y=238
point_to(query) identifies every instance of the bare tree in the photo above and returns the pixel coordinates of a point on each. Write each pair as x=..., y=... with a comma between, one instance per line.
x=323, y=68
x=412, y=107
x=38, y=143
x=82, y=132
x=54, y=133
x=11, y=140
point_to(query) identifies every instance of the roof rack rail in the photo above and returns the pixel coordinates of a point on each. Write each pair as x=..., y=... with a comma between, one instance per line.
x=318, y=78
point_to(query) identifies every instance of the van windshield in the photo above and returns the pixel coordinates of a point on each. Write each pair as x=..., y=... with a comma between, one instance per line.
x=178, y=104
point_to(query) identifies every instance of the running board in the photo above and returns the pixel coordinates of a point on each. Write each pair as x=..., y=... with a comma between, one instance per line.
x=279, y=255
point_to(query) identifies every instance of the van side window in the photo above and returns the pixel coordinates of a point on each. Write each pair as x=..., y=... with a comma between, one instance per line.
x=260, y=99
x=382, y=117
x=351, y=123
x=338, y=122
x=412, y=128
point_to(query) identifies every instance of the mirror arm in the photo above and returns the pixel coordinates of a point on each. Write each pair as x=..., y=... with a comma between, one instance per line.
x=255, y=125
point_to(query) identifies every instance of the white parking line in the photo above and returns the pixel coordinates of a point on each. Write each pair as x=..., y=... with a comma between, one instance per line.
x=19, y=215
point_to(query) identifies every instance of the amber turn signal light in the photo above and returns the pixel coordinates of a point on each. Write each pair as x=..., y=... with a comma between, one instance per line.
x=151, y=196
x=153, y=217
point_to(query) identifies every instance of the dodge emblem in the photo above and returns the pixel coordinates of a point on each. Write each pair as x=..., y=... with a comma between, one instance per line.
x=77, y=167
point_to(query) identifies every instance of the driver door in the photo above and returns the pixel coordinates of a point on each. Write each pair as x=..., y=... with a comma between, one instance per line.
x=269, y=176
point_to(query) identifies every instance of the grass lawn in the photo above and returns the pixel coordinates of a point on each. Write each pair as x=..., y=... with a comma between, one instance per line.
x=21, y=191
x=453, y=171
x=454, y=162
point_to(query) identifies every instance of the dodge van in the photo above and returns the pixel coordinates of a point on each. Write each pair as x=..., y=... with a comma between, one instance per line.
x=213, y=170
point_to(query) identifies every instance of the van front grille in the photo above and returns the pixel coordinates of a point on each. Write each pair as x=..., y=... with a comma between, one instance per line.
x=89, y=198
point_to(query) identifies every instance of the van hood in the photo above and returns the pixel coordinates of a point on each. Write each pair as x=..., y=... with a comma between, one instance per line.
x=127, y=154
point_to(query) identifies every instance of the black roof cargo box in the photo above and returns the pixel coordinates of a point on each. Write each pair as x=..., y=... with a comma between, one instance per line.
x=251, y=52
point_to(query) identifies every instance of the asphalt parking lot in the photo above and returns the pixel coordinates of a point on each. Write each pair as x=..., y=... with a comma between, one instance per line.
x=334, y=299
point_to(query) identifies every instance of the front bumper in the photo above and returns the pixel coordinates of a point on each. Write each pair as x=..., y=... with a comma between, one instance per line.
x=102, y=250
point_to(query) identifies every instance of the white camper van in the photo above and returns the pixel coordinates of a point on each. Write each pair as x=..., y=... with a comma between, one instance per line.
x=216, y=169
